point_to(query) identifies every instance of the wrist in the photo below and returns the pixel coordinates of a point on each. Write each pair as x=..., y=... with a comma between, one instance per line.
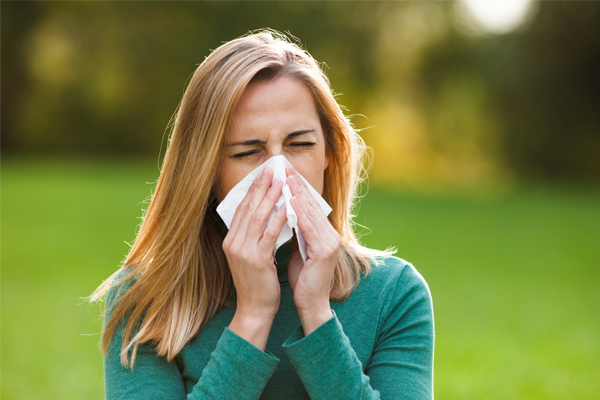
x=253, y=328
x=314, y=318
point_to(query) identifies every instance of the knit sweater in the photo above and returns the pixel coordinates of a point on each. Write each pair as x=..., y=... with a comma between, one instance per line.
x=378, y=345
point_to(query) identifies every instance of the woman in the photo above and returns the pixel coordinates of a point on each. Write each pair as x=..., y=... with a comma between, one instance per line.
x=201, y=311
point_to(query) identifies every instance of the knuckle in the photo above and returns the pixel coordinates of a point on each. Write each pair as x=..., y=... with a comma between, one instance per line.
x=313, y=212
x=313, y=204
x=272, y=193
x=256, y=217
x=247, y=258
x=269, y=234
x=228, y=243
x=311, y=229
x=260, y=184
x=281, y=215
x=236, y=248
x=240, y=208
x=230, y=251
x=248, y=208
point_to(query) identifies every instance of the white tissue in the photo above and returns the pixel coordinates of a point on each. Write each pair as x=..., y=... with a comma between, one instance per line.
x=235, y=196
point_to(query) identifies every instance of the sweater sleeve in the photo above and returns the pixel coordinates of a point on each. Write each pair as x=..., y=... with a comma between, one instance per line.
x=236, y=369
x=401, y=365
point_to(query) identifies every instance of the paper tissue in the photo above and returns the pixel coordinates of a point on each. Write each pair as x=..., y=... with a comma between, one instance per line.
x=226, y=209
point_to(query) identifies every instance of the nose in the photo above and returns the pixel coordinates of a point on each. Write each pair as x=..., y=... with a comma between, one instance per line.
x=274, y=150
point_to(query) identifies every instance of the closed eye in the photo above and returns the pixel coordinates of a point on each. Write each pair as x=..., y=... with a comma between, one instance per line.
x=245, y=154
x=297, y=144
x=303, y=144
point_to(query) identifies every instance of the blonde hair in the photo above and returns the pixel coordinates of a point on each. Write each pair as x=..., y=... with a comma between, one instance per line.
x=181, y=274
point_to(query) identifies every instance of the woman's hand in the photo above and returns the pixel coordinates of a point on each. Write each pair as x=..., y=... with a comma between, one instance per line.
x=311, y=282
x=249, y=246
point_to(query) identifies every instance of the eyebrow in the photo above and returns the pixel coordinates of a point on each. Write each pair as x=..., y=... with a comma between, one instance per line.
x=257, y=141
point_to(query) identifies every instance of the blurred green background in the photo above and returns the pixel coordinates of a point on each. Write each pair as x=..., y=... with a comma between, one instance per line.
x=484, y=124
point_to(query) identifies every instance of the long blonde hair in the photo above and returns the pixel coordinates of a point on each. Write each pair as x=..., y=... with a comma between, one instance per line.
x=181, y=274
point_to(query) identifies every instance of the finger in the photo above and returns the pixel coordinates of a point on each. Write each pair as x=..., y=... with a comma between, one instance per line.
x=273, y=230
x=258, y=219
x=251, y=200
x=237, y=215
x=307, y=202
x=310, y=205
x=303, y=192
x=306, y=226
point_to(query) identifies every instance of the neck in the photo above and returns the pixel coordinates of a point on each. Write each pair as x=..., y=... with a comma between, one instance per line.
x=295, y=257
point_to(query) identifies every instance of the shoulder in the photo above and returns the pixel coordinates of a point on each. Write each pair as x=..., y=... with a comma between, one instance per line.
x=397, y=274
x=399, y=284
x=405, y=299
x=121, y=282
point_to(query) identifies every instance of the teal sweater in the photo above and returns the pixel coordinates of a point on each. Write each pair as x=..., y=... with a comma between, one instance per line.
x=378, y=345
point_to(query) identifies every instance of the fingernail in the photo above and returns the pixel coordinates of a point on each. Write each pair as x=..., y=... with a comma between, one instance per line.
x=265, y=172
x=292, y=180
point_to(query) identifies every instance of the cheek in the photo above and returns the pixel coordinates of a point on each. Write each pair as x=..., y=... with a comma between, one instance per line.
x=312, y=169
x=222, y=189
x=226, y=181
x=315, y=178
x=231, y=173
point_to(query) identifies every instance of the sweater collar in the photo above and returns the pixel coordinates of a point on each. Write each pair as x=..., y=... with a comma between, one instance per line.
x=282, y=256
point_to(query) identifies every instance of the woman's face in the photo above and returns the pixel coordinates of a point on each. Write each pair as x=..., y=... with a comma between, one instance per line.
x=274, y=118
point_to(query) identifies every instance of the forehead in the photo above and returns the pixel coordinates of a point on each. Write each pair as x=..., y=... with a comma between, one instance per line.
x=275, y=107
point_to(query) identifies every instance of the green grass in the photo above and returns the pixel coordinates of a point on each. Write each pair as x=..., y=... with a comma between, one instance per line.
x=513, y=279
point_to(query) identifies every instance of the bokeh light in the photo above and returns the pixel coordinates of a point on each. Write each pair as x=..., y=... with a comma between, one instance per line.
x=495, y=16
